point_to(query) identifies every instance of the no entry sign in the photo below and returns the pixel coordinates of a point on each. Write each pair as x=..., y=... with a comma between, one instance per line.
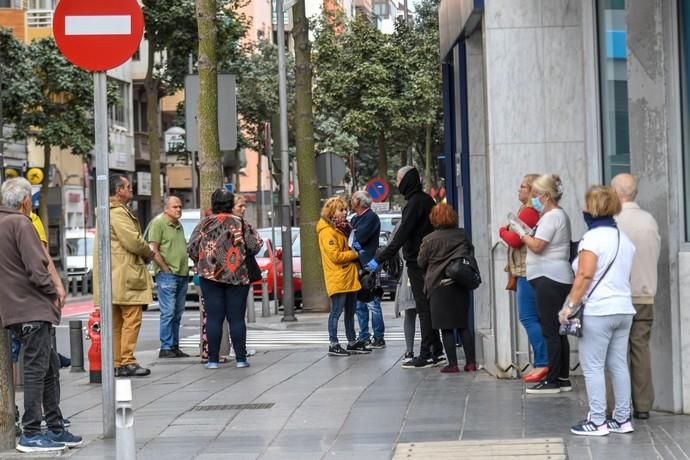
x=98, y=35
x=378, y=189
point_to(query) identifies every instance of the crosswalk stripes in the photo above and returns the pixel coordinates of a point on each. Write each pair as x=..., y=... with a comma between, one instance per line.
x=285, y=338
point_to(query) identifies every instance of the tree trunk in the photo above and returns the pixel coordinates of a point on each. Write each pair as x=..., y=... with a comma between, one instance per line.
x=427, y=157
x=7, y=434
x=151, y=85
x=43, y=200
x=210, y=159
x=313, y=288
x=383, y=158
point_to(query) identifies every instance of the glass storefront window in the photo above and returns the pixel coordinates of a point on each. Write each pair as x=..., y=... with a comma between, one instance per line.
x=684, y=27
x=613, y=83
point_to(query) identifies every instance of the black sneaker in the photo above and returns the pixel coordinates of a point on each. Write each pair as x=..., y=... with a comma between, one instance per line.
x=589, y=428
x=419, y=363
x=359, y=347
x=179, y=353
x=134, y=370
x=409, y=356
x=544, y=388
x=337, y=350
x=440, y=360
x=378, y=343
x=565, y=385
x=165, y=353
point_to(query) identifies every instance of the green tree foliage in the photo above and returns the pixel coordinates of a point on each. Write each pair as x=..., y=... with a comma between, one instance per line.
x=356, y=80
x=172, y=36
x=383, y=90
x=52, y=104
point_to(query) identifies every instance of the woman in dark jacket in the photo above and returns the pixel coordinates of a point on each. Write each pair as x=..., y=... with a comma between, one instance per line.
x=449, y=301
x=218, y=246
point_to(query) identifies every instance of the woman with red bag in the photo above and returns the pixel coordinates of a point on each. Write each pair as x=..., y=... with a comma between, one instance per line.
x=517, y=268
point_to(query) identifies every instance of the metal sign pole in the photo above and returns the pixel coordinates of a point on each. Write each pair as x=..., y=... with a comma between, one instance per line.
x=100, y=111
x=288, y=293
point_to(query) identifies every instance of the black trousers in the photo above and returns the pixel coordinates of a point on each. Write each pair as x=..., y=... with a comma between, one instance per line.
x=41, y=377
x=431, y=342
x=550, y=296
x=225, y=301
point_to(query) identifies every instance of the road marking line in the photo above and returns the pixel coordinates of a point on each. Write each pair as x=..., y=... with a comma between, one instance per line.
x=98, y=25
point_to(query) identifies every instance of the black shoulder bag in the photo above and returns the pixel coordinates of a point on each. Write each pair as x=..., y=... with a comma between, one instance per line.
x=253, y=269
x=574, y=325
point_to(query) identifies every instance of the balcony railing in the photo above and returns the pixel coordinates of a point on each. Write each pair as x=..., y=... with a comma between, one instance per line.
x=39, y=18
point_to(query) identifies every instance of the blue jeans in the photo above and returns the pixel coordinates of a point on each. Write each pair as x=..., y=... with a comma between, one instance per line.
x=172, y=293
x=527, y=312
x=225, y=301
x=363, y=309
x=339, y=303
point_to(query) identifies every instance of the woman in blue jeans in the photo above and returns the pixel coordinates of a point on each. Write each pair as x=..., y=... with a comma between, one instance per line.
x=218, y=246
x=341, y=275
x=526, y=301
x=602, y=278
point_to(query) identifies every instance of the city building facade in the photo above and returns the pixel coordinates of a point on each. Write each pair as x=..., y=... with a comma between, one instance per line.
x=585, y=89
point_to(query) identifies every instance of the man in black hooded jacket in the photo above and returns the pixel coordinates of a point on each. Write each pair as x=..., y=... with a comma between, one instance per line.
x=414, y=226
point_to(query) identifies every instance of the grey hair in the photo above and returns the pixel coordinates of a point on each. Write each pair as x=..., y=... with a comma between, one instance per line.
x=14, y=191
x=402, y=171
x=166, y=201
x=362, y=198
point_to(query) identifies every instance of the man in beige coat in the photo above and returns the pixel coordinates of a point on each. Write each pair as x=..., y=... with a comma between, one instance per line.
x=131, y=281
x=642, y=229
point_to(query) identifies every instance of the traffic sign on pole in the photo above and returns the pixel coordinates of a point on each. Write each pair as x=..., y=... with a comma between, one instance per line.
x=99, y=36
x=378, y=189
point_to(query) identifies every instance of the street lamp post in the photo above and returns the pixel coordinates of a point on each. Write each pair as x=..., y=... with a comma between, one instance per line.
x=288, y=293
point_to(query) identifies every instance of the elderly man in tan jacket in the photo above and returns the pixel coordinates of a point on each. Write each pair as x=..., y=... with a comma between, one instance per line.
x=131, y=281
x=642, y=229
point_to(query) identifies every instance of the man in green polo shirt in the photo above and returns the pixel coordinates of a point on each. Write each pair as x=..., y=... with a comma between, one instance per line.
x=166, y=238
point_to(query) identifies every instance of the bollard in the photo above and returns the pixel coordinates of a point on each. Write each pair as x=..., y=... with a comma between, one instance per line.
x=76, y=346
x=251, y=313
x=73, y=286
x=85, y=284
x=125, y=446
x=265, y=304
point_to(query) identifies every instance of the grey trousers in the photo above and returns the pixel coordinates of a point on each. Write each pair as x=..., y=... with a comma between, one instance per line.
x=604, y=346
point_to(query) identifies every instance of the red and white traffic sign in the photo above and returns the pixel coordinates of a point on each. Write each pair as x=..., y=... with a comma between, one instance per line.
x=98, y=35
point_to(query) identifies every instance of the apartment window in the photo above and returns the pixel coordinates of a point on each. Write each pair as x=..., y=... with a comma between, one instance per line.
x=41, y=4
x=684, y=27
x=613, y=83
x=16, y=4
x=381, y=9
x=140, y=117
x=119, y=112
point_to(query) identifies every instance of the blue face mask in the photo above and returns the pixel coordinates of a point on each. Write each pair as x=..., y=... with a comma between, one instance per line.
x=537, y=205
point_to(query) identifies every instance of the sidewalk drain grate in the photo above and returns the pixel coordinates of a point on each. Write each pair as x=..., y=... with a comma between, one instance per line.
x=235, y=407
x=494, y=449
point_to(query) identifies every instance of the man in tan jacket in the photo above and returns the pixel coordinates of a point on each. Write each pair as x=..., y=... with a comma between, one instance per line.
x=642, y=229
x=131, y=281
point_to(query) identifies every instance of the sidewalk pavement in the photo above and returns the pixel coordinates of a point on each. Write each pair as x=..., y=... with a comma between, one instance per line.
x=307, y=405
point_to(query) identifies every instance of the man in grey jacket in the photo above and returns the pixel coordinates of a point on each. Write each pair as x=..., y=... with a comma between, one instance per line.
x=642, y=229
x=30, y=306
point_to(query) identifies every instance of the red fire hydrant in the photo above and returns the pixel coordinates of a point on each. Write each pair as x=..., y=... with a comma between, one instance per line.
x=93, y=333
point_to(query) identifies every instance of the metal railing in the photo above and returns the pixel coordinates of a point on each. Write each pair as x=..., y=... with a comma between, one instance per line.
x=39, y=18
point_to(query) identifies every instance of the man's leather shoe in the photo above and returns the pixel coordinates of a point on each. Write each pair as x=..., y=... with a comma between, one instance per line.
x=164, y=353
x=118, y=371
x=134, y=370
x=641, y=415
x=179, y=353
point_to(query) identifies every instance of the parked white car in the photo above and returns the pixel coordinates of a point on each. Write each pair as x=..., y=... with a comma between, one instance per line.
x=79, y=250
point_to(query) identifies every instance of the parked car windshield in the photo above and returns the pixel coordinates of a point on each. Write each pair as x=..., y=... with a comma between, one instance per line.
x=267, y=233
x=389, y=221
x=78, y=246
